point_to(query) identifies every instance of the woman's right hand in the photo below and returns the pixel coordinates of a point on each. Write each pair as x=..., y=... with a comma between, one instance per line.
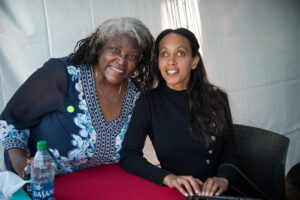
x=18, y=159
x=187, y=185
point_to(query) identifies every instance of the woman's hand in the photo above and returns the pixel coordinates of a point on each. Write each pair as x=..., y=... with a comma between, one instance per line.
x=18, y=159
x=214, y=186
x=187, y=185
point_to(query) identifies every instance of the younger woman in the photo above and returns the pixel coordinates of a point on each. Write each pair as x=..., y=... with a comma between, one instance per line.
x=188, y=121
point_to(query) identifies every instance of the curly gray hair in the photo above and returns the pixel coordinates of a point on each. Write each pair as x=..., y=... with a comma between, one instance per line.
x=86, y=50
x=128, y=25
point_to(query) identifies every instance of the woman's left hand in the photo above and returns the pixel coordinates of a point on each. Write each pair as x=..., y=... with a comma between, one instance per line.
x=214, y=186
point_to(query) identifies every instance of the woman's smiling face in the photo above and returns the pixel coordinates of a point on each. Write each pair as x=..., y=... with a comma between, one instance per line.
x=175, y=61
x=118, y=58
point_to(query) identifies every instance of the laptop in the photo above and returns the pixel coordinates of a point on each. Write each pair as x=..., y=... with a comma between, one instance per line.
x=196, y=197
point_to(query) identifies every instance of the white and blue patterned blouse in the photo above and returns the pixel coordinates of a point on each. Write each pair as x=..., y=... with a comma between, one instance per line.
x=59, y=104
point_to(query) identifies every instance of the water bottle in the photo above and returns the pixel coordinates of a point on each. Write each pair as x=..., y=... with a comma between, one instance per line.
x=42, y=173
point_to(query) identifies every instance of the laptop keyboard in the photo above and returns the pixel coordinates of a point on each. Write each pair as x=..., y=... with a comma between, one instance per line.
x=219, y=198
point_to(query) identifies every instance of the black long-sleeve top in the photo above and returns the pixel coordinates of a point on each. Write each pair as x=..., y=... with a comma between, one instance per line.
x=163, y=114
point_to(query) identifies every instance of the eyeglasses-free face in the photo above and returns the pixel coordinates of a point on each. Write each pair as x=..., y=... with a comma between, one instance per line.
x=118, y=58
x=175, y=61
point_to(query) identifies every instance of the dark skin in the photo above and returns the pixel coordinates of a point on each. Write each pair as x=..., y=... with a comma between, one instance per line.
x=109, y=108
x=18, y=159
x=117, y=61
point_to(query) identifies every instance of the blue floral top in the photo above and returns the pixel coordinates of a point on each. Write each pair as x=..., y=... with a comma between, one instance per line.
x=59, y=104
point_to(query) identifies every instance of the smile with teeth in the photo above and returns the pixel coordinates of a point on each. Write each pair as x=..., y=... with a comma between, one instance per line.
x=172, y=71
x=117, y=70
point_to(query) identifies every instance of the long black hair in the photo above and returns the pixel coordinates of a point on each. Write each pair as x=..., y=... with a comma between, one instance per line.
x=208, y=105
x=86, y=50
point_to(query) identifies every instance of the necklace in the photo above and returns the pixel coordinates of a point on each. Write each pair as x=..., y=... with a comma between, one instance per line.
x=120, y=89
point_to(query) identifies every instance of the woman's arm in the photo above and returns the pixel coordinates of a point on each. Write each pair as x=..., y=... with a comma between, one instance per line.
x=132, y=159
x=18, y=159
x=219, y=184
x=228, y=152
x=41, y=93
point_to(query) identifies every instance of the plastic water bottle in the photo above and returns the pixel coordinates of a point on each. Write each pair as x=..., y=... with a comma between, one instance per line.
x=42, y=173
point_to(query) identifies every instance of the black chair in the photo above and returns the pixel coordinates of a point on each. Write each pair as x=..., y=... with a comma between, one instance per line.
x=292, y=183
x=262, y=156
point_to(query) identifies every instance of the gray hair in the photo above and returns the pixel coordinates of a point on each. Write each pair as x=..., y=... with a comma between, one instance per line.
x=126, y=25
x=86, y=50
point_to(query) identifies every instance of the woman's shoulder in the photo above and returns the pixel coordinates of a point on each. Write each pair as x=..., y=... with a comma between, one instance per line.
x=150, y=96
x=53, y=68
x=60, y=71
x=64, y=64
x=217, y=92
x=152, y=93
x=60, y=62
x=56, y=64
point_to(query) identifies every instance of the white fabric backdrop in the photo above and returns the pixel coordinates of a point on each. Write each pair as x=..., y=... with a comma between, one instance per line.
x=250, y=48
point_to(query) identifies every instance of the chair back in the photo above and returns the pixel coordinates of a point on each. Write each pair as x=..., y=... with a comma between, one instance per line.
x=262, y=156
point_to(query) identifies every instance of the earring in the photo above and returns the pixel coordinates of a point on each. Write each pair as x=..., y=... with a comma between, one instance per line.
x=134, y=74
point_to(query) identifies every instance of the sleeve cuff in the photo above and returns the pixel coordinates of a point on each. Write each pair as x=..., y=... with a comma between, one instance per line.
x=12, y=137
x=14, y=143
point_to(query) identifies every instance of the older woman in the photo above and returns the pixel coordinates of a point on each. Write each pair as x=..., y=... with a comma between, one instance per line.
x=81, y=104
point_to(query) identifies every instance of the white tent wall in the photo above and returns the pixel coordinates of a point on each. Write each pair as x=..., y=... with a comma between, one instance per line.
x=250, y=48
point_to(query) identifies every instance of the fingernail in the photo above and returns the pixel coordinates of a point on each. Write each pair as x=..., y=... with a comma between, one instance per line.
x=197, y=192
x=206, y=193
x=186, y=195
x=191, y=194
x=210, y=194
